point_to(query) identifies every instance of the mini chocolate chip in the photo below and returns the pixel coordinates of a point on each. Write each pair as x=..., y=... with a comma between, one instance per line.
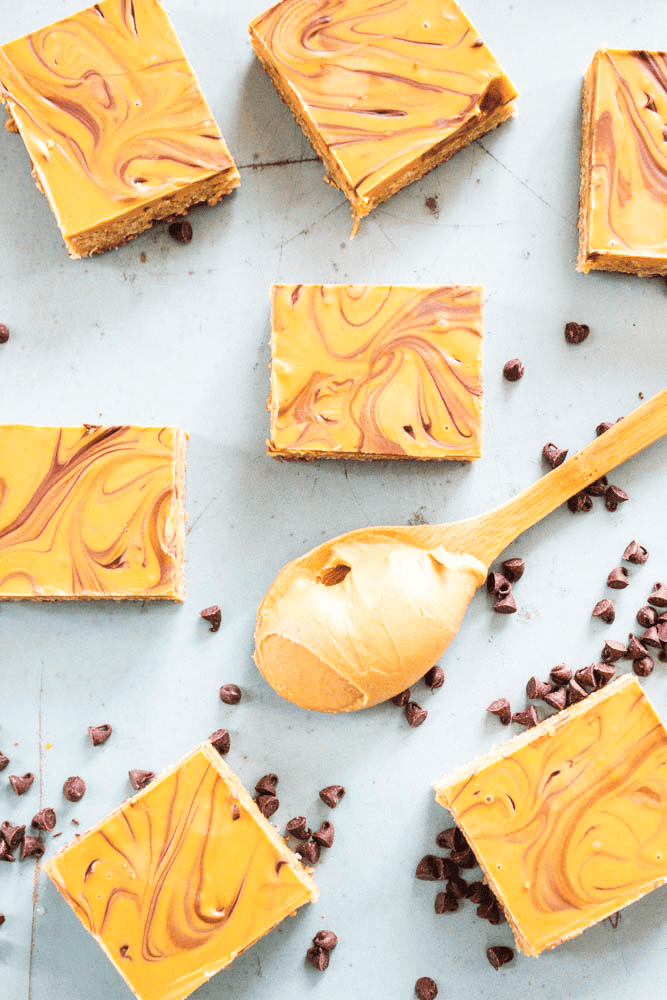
x=445, y=838
x=497, y=583
x=464, y=859
x=12, y=835
x=267, y=804
x=575, y=692
x=402, y=699
x=479, y=892
x=181, y=231
x=601, y=428
x=426, y=988
x=526, y=718
x=431, y=868
x=496, y=914
x=318, y=958
x=309, y=851
x=642, y=666
x=556, y=699
x=618, y=578
x=45, y=819
x=457, y=887
x=604, y=673
x=635, y=648
x=99, y=734
x=32, y=848
x=506, y=605
x=4, y=761
x=434, y=678
x=576, y=333
x=230, y=694
x=661, y=629
x=513, y=569
x=487, y=909
x=21, y=783
x=4, y=333
x=446, y=902
x=74, y=789
x=213, y=616
x=658, y=599
x=646, y=616
x=535, y=688
x=139, y=779
x=415, y=714
x=325, y=939
x=614, y=650
x=513, y=370
x=501, y=708
x=460, y=842
x=298, y=828
x=267, y=784
x=221, y=741
x=325, y=835
x=123, y=950
x=331, y=795
x=553, y=455
x=614, y=496
x=604, y=610
x=635, y=553
x=499, y=954
x=580, y=502
x=597, y=488
x=561, y=674
x=586, y=677
x=5, y=853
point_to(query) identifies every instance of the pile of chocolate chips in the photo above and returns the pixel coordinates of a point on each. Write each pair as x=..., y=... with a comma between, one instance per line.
x=311, y=842
x=499, y=585
x=414, y=713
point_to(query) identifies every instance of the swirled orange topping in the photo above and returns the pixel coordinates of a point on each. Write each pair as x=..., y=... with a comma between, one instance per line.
x=623, y=215
x=114, y=121
x=569, y=820
x=181, y=878
x=88, y=512
x=376, y=371
x=384, y=91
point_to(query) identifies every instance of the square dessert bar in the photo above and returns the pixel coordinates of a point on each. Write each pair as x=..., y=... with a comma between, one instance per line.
x=569, y=820
x=118, y=131
x=383, y=91
x=623, y=198
x=181, y=878
x=376, y=371
x=90, y=512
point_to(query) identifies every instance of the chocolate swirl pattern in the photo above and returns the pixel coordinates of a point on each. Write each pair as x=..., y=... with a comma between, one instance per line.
x=569, y=821
x=624, y=159
x=89, y=512
x=362, y=371
x=181, y=879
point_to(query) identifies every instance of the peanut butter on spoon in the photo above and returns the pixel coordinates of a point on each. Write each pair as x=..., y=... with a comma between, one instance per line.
x=358, y=619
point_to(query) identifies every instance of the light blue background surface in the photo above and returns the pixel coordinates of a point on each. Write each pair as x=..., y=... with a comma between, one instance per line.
x=183, y=338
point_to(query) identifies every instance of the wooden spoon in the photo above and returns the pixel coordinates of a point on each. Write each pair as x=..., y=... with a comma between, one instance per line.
x=359, y=619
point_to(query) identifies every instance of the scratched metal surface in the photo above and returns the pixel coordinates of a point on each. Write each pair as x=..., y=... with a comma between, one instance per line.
x=182, y=338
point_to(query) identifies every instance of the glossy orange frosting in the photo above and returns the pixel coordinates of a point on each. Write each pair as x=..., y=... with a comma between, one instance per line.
x=569, y=820
x=181, y=878
x=365, y=371
x=110, y=112
x=625, y=168
x=88, y=512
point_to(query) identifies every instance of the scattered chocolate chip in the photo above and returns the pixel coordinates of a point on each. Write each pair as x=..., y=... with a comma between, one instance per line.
x=501, y=708
x=5, y=853
x=658, y=599
x=479, y=892
x=325, y=835
x=661, y=629
x=535, y=688
x=45, y=819
x=618, y=578
x=513, y=370
x=576, y=333
x=457, y=887
x=604, y=610
x=496, y=914
x=181, y=231
x=446, y=902
x=487, y=909
x=635, y=553
x=601, y=428
x=614, y=496
x=646, y=616
x=4, y=761
x=331, y=795
x=221, y=741
x=635, y=648
x=506, y=605
x=267, y=784
x=434, y=678
x=597, y=488
x=415, y=714
x=426, y=988
x=139, y=779
x=497, y=583
x=575, y=692
x=213, y=616
x=318, y=958
x=402, y=699
x=499, y=954
x=580, y=502
x=556, y=699
x=99, y=734
x=21, y=783
x=4, y=333
x=325, y=939
x=298, y=828
x=445, y=839
x=32, y=848
x=604, y=673
x=230, y=694
x=553, y=455
x=614, y=650
x=526, y=718
x=267, y=804
x=561, y=674
x=12, y=835
x=74, y=789
x=431, y=868
x=513, y=569
x=460, y=842
x=586, y=677
x=642, y=666
x=464, y=858
x=309, y=851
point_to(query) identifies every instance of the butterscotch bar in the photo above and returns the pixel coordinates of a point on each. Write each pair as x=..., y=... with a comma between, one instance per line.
x=91, y=512
x=623, y=198
x=569, y=820
x=116, y=126
x=384, y=92
x=181, y=878
x=376, y=371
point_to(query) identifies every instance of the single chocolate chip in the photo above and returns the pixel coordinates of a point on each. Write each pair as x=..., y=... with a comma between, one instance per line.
x=501, y=708
x=618, y=578
x=635, y=648
x=642, y=666
x=74, y=789
x=213, y=616
x=426, y=988
x=402, y=699
x=497, y=583
x=479, y=892
x=646, y=616
x=597, y=488
x=446, y=902
x=4, y=761
x=309, y=852
x=580, y=502
x=586, y=677
x=506, y=605
x=576, y=333
x=499, y=954
x=181, y=231
x=513, y=569
x=4, y=333
x=496, y=914
x=526, y=718
x=325, y=835
x=464, y=859
x=487, y=909
x=221, y=741
x=434, y=678
x=12, y=835
x=553, y=455
x=445, y=839
x=601, y=428
x=45, y=819
x=535, y=688
x=230, y=694
x=614, y=650
x=513, y=370
x=267, y=784
x=658, y=599
x=460, y=842
x=635, y=553
x=561, y=674
x=431, y=868
x=457, y=887
x=99, y=734
x=604, y=610
x=139, y=779
x=415, y=714
x=267, y=804
x=32, y=848
x=318, y=958
x=614, y=496
x=556, y=699
x=325, y=939
x=21, y=783
x=331, y=795
x=575, y=692
x=604, y=673
x=298, y=828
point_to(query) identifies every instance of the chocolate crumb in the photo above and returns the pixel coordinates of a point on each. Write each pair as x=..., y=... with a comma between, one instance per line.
x=642, y=666
x=267, y=804
x=325, y=939
x=597, y=488
x=526, y=718
x=646, y=616
x=513, y=370
x=426, y=988
x=498, y=955
x=614, y=919
x=4, y=333
x=614, y=650
x=506, y=605
x=553, y=455
x=280, y=864
x=535, y=688
x=446, y=902
x=318, y=958
x=213, y=616
x=415, y=714
x=181, y=231
x=576, y=333
x=21, y=783
x=99, y=734
x=561, y=674
x=556, y=699
x=501, y=708
x=325, y=835
x=513, y=569
x=139, y=779
x=401, y=699
x=221, y=741
x=298, y=828
x=614, y=496
x=12, y=835
x=331, y=795
x=604, y=610
x=434, y=678
x=76, y=822
x=309, y=851
x=32, y=848
x=4, y=761
x=236, y=812
x=74, y=789
x=635, y=553
x=658, y=599
x=45, y=819
x=230, y=694
x=446, y=839
x=618, y=578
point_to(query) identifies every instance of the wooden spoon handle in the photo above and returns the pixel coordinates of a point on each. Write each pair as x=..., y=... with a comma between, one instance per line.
x=636, y=431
